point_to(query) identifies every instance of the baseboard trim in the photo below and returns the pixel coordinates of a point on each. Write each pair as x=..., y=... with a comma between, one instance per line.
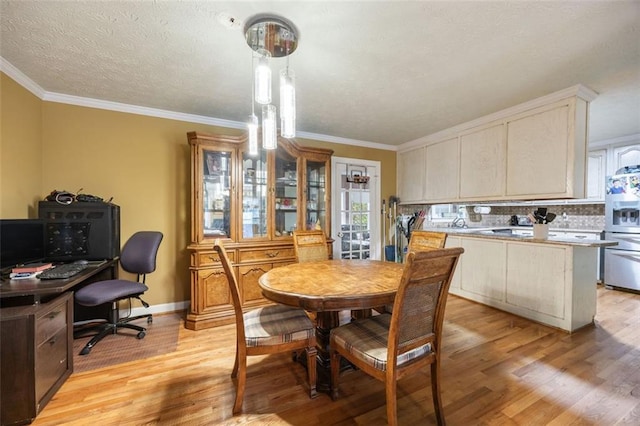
x=155, y=309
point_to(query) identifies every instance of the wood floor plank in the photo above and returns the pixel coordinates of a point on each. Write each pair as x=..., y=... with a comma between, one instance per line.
x=497, y=369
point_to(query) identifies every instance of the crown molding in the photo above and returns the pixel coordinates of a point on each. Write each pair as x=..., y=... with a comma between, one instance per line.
x=345, y=141
x=30, y=85
x=17, y=75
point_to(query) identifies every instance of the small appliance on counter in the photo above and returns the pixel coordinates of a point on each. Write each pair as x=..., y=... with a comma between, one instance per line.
x=622, y=224
x=519, y=221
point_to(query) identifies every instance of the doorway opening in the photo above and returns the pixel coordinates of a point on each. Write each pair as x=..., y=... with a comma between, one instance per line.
x=356, y=208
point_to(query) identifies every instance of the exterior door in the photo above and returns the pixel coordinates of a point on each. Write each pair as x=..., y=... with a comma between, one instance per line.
x=356, y=209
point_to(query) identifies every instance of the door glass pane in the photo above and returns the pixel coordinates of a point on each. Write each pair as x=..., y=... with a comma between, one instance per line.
x=355, y=214
x=316, y=195
x=216, y=205
x=254, y=195
x=286, y=196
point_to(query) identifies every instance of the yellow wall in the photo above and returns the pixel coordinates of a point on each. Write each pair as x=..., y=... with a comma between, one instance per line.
x=20, y=150
x=142, y=162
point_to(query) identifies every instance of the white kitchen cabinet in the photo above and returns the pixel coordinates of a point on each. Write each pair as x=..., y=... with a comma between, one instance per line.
x=483, y=272
x=535, y=150
x=536, y=278
x=549, y=283
x=625, y=156
x=546, y=150
x=596, y=174
x=482, y=162
x=411, y=175
x=442, y=173
x=455, y=281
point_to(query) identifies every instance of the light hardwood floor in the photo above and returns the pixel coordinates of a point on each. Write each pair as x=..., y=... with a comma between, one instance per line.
x=498, y=369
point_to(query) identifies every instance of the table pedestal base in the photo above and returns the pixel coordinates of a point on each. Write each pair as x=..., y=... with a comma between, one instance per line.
x=325, y=322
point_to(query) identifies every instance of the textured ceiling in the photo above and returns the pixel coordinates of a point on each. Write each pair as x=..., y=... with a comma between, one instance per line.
x=385, y=72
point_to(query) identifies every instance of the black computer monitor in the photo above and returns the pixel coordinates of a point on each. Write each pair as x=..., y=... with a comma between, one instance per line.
x=21, y=241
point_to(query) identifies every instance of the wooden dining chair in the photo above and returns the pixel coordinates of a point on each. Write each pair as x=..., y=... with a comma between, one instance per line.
x=421, y=241
x=267, y=330
x=310, y=246
x=390, y=346
x=426, y=240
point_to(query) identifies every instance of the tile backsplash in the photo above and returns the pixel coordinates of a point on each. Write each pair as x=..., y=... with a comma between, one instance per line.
x=578, y=216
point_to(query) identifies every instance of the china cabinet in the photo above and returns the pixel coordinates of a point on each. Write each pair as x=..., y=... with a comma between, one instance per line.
x=253, y=203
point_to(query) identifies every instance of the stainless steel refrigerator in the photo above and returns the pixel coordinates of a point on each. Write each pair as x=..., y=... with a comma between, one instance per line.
x=622, y=224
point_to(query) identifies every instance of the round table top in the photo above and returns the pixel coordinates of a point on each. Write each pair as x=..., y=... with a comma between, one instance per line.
x=333, y=285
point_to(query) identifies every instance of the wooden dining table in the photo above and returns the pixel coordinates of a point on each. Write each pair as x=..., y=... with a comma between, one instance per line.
x=329, y=287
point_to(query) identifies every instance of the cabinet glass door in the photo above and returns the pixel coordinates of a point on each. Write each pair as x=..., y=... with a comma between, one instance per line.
x=286, y=194
x=254, y=195
x=216, y=193
x=316, y=196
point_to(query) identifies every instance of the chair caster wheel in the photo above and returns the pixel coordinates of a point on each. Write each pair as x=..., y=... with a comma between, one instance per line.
x=85, y=351
x=141, y=335
x=149, y=320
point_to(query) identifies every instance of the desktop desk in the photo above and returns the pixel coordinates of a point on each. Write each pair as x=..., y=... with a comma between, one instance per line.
x=36, y=331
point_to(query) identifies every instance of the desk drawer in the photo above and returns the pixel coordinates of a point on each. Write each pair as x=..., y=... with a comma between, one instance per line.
x=51, y=321
x=269, y=254
x=51, y=362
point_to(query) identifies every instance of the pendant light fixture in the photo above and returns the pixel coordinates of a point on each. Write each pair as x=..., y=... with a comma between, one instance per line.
x=270, y=37
x=252, y=124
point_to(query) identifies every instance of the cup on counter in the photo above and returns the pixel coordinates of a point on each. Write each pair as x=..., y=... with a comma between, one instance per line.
x=540, y=231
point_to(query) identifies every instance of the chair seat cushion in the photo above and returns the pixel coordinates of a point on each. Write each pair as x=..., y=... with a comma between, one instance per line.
x=106, y=291
x=273, y=325
x=367, y=339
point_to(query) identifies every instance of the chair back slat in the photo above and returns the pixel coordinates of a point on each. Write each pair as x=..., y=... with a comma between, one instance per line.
x=310, y=246
x=418, y=310
x=426, y=240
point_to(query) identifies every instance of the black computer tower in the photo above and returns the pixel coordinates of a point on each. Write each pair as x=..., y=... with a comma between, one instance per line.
x=80, y=230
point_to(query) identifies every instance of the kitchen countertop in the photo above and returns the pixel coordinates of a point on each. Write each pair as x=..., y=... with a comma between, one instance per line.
x=488, y=233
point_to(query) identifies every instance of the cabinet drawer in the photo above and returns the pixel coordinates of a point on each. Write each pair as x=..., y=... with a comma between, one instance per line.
x=51, y=362
x=269, y=254
x=51, y=322
x=211, y=258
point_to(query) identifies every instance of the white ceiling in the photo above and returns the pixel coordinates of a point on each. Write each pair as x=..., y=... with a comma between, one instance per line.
x=386, y=72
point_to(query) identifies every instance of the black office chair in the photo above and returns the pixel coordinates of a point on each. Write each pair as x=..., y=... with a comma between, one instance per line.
x=138, y=256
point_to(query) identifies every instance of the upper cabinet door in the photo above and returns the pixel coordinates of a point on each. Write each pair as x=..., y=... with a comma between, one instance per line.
x=286, y=194
x=254, y=195
x=215, y=185
x=316, y=195
x=411, y=175
x=442, y=172
x=538, y=154
x=596, y=174
x=625, y=156
x=482, y=162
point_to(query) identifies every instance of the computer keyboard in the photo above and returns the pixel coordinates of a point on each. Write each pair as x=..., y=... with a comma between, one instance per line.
x=60, y=272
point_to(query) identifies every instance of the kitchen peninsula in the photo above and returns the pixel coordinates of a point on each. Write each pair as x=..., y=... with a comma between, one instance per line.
x=550, y=281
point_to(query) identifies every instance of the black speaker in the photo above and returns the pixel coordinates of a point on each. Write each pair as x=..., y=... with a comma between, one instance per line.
x=80, y=230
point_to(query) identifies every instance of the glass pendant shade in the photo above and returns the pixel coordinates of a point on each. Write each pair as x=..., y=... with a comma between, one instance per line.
x=271, y=37
x=262, y=85
x=269, y=127
x=287, y=103
x=252, y=128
